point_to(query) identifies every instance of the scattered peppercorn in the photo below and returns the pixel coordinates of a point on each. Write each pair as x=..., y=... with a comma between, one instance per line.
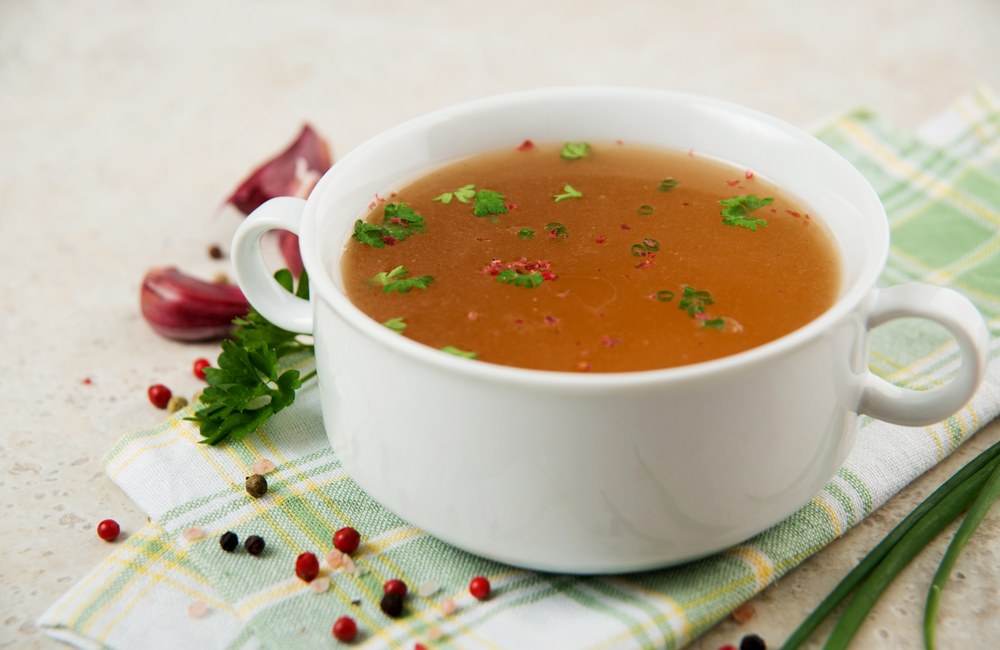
x=346, y=540
x=199, y=367
x=176, y=403
x=395, y=586
x=479, y=587
x=256, y=485
x=752, y=642
x=159, y=395
x=254, y=545
x=392, y=605
x=345, y=629
x=307, y=566
x=215, y=252
x=229, y=541
x=744, y=613
x=108, y=530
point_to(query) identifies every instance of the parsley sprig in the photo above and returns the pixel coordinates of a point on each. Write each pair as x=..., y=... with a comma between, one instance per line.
x=526, y=280
x=399, y=280
x=399, y=221
x=569, y=192
x=463, y=194
x=736, y=211
x=574, y=151
x=489, y=202
x=250, y=381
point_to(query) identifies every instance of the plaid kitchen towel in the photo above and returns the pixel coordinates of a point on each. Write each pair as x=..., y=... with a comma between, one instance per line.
x=161, y=588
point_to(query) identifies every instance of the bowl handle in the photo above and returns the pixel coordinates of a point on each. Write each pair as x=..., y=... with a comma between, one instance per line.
x=885, y=401
x=261, y=289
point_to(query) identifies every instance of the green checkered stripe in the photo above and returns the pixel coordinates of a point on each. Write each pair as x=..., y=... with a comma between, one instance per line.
x=945, y=213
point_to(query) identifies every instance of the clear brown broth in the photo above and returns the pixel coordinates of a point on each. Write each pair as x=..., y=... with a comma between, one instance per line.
x=610, y=307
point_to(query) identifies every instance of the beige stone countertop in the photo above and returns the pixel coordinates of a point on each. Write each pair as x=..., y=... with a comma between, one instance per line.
x=125, y=123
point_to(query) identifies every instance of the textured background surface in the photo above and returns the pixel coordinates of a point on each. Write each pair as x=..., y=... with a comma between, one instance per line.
x=123, y=126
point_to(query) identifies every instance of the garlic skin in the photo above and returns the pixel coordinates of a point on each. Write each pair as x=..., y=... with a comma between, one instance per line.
x=183, y=308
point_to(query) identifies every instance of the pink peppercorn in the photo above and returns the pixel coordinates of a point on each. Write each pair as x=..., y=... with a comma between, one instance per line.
x=108, y=530
x=395, y=586
x=346, y=540
x=307, y=566
x=479, y=587
x=159, y=395
x=345, y=629
x=199, y=367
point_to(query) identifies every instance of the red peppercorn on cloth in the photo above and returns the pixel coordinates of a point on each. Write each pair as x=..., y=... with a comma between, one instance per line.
x=162, y=589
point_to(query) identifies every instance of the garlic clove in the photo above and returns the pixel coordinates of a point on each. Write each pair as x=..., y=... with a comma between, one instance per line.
x=293, y=172
x=183, y=308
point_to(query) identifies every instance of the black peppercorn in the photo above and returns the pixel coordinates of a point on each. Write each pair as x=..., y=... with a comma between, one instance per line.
x=752, y=642
x=229, y=541
x=392, y=605
x=256, y=485
x=254, y=545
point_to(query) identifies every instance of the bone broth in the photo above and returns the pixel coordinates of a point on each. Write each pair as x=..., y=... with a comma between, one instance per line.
x=590, y=258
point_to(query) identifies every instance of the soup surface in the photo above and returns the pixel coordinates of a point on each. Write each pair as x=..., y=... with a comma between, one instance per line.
x=590, y=258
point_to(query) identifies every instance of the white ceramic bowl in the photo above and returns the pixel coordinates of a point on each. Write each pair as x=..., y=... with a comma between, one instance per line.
x=597, y=473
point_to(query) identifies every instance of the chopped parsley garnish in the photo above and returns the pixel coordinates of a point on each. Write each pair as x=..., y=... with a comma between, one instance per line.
x=694, y=301
x=569, y=192
x=399, y=221
x=574, y=151
x=451, y=349
x=397, y=324
x=463, y=194
x=526, y=280
x=736, y=211
x=557, y=230
x=667, y=184
x=714, y=323
x=645, y=210
x=525, y=233
x=488, y=202
x=398, y=280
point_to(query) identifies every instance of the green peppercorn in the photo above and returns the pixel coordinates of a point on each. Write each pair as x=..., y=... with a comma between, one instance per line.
x=229, y=541
x=176, y=403
x=254, y=545
x=392, y=604
x=256, y=485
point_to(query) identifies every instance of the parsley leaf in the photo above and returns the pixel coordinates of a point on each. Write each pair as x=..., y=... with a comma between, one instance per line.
x=569, y=192
x=574, y=151
x=397, y=324
x=451, y=349
x=557, y=230
x=488, y=202
x=526, y=280
x=736, y=211
x=249, y=383
x=397, y=280
x=715, y=323
x=464, y=194
x=526, y=233
x=399, y=221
